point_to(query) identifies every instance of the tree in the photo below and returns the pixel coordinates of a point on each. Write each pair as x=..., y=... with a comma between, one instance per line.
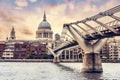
x=45, y=56
x=30, y=55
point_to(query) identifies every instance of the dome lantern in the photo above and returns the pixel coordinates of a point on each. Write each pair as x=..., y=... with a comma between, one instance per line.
x=44, y=17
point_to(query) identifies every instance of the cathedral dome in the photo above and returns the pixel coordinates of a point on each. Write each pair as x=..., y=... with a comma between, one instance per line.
x=44, y=24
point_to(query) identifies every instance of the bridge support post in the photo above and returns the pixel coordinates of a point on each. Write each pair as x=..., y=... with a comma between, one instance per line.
x=92, y=63
x=56, y=59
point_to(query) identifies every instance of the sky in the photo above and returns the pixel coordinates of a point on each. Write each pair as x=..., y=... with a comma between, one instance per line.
x=26, y=15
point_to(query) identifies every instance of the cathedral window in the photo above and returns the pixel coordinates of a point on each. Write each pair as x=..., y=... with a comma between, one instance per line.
x=40, y=34
x=45, y=34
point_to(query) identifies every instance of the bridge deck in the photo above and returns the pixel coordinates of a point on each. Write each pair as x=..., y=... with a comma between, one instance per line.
x=106, y=33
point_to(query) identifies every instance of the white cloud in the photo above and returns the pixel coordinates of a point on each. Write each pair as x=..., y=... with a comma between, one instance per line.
x=93, y=0
x=18, y=8
x=57, y=15
x=33, y=1
x=21, y=3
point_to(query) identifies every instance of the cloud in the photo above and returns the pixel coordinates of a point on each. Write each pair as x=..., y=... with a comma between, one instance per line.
x=26, y=31
x=18, y=8
x=53, y=2
x=93, y=0
x=33, y=1
x=21, y=3
x=6, y=17
x=26, y=20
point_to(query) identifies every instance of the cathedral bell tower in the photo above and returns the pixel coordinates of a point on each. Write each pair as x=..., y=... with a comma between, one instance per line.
x=12, y=34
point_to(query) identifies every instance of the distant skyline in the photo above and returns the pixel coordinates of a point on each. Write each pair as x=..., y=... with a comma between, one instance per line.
x=26, y=15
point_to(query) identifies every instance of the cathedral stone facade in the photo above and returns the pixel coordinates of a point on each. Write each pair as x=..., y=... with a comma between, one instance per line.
x=44, y=34
x=44, y=31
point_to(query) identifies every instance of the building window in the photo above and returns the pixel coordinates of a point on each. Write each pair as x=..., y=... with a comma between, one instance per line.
x=40, y=35
x=50, y=35
x=45, y=34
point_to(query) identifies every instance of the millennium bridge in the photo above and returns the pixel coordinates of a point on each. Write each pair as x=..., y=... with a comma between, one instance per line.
x=90, y=37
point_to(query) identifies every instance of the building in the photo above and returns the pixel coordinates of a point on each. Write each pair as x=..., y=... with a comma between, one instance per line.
x=8, y=52
x=73, y=54
x=105, y=51
x=2, y=48
x=57, y=37
x=57, y=41
x=114, y=50
x=111, y=50
x=44, y=34
x=33, y=49
x=29, y=50
x=22, y=49
x=36, y=50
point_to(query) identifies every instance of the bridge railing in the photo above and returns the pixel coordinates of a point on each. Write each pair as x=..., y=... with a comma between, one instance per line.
x=112, y=24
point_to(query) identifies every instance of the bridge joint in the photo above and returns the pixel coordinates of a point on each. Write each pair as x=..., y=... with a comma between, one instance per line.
x=65, y=25
x=105, y=13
